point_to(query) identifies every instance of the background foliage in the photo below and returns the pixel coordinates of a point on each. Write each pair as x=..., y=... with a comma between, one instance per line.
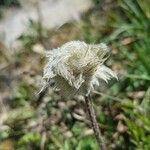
x=123, y=111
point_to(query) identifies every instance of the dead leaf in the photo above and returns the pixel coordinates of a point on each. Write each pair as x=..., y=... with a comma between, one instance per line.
x=121, y=128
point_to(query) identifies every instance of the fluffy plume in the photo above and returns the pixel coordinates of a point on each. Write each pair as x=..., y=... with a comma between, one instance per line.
x=77, y=67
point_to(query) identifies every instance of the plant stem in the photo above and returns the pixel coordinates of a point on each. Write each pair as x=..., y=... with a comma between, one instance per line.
x=94, y=123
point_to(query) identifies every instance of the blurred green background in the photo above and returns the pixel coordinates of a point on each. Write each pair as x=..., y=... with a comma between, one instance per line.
x=48, y=122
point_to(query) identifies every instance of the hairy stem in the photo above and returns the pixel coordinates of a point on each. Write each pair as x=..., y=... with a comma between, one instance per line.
x=94, y=123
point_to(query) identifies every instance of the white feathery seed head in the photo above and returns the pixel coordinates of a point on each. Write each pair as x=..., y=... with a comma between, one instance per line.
x=77, y=67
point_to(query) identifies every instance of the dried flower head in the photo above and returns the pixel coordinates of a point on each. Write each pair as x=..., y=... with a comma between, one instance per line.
x=77, y=67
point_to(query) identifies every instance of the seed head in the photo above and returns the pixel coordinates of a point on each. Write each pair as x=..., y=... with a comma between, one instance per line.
x=77, y=67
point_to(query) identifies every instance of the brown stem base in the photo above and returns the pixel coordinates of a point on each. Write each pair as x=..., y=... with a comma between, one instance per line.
x=94, y=123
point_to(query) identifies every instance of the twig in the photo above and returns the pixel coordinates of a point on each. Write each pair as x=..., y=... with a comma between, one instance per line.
x=3, y=66
x=94, y=122
x=108, y=96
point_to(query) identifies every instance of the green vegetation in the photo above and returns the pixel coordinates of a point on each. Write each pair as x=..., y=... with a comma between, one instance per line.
x=8, y=2
x=123, y=110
